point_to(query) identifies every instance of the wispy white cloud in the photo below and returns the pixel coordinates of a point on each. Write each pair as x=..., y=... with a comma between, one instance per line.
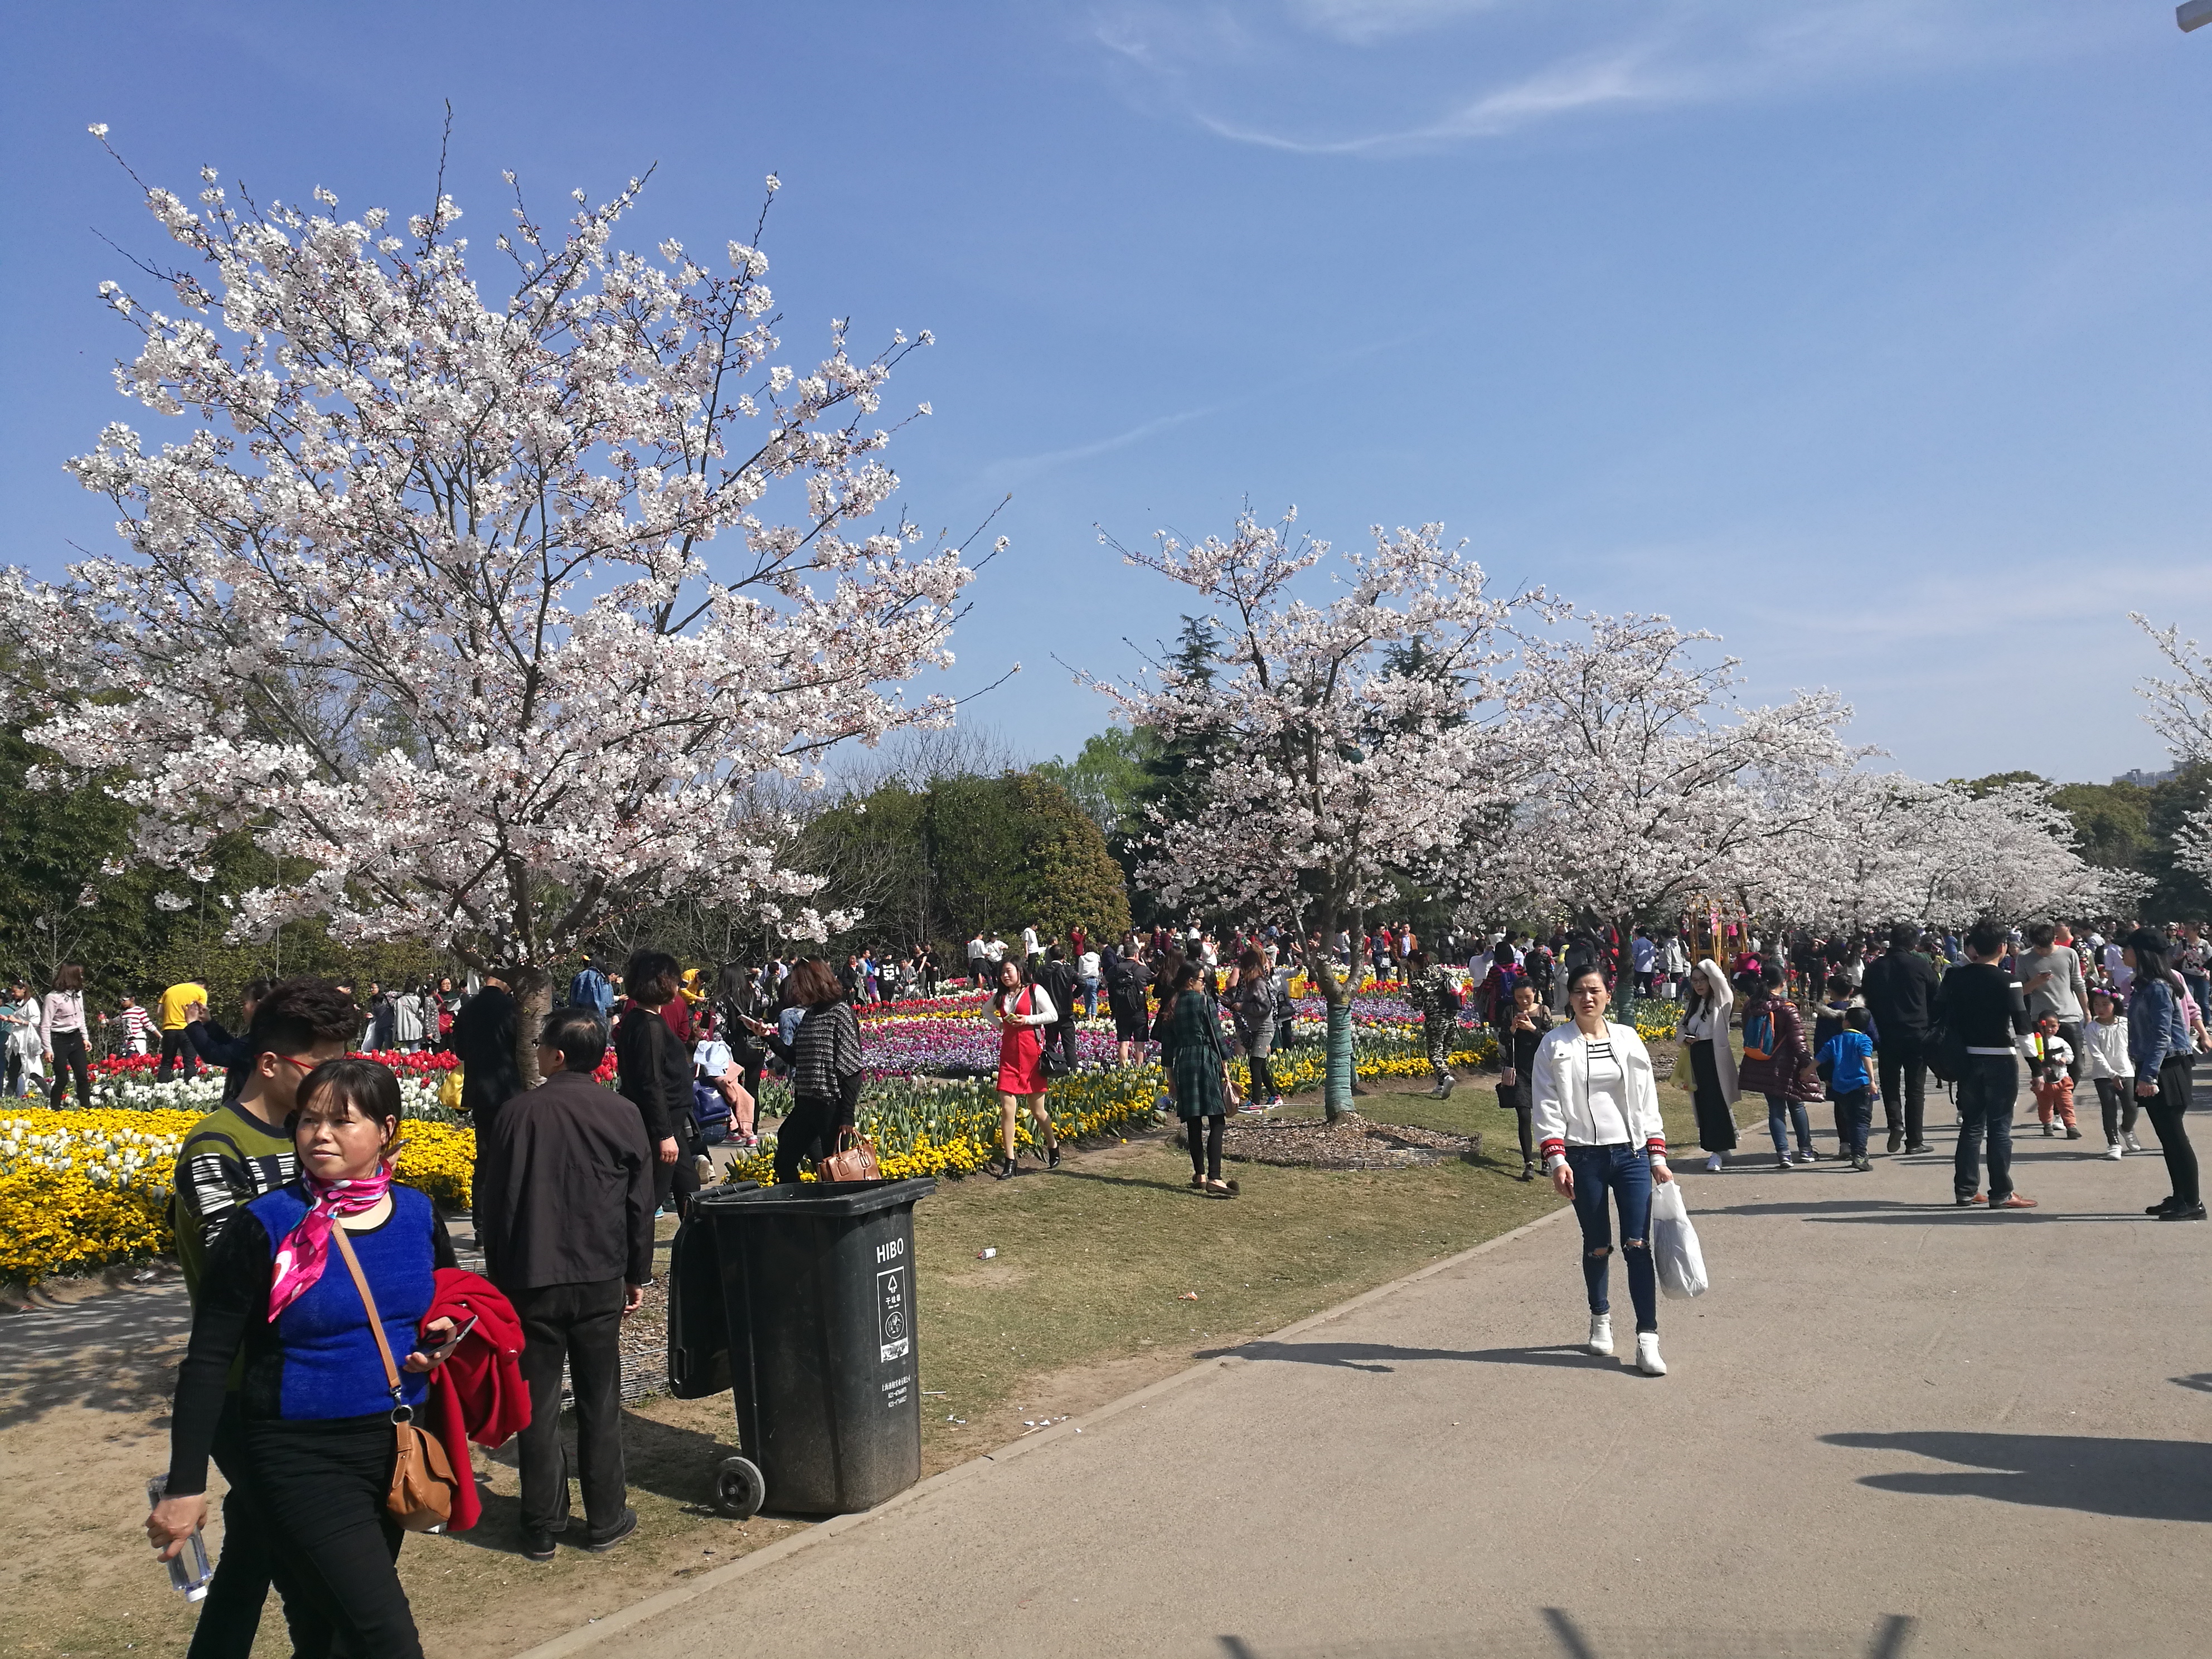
x=1013, y=470
x=1340, y=76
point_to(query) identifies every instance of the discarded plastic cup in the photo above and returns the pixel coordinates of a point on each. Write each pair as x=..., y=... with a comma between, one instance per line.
x=985, y=1255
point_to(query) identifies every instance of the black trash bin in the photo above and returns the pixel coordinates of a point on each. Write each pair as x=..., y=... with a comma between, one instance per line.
x=698, y=1328
x=820, y=1356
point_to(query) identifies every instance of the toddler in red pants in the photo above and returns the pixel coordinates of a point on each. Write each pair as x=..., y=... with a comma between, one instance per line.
x=2050, y=1058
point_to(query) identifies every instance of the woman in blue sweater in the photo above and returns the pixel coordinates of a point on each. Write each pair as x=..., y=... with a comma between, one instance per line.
x=2158, y=1041
x=317, y=1410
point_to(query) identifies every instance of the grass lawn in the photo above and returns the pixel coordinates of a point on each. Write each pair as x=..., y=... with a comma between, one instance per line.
x=1086, y=1300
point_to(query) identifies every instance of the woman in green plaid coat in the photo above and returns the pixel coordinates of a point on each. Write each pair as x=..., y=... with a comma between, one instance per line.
x=1199, y=1060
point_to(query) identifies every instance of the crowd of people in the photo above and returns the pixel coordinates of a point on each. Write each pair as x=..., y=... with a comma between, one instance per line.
x=290, y=1385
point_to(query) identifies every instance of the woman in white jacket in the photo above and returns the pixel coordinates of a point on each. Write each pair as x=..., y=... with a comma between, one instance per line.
x=1703, y=1035
x=1597, y=1120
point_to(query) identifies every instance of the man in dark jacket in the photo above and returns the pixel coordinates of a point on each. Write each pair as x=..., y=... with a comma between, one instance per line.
x=565, y=1220
x=1900, y=994
x=1984, y=1015
x=1059, y=981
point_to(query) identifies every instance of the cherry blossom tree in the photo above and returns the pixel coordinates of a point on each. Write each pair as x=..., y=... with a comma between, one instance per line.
x=2181, y=712
x=479, y=600
x=1645, y=786
x=1888, y=847
x=1343, y=742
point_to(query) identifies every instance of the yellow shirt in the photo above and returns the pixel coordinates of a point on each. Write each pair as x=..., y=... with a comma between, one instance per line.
x=173, y=1002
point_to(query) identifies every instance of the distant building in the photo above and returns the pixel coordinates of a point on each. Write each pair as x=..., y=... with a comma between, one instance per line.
x=2143, y=779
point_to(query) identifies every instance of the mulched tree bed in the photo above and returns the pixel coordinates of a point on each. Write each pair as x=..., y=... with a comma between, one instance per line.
x=1354, y=1142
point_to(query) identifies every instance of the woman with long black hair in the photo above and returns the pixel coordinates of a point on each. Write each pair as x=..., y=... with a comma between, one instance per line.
x=823, y=1054
x=1703, y=1035
x=1026, y=1011
x=2158, y=1041
x=1521, y=1029
x=1197, y=1063
x=66, y=1037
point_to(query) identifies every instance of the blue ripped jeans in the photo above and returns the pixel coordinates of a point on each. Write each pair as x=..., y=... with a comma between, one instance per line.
x=1625, y=1172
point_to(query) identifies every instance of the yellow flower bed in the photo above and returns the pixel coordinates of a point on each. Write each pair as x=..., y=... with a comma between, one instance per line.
x=80, y=1191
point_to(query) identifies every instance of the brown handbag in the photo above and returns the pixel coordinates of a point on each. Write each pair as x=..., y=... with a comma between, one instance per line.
x=855, y=1162
x=423, y=1484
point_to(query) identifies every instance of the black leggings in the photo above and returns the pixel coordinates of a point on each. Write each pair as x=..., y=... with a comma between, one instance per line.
x=2118, y=1108
x=1205, y=1146
x=2166, y=1108
x=322, y=1484
x=69, y=1055
x=1263, y=1079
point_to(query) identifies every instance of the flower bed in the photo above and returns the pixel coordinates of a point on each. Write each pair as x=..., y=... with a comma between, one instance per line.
x=80, y=1190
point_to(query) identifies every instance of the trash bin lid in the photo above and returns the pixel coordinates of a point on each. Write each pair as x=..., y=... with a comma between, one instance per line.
x=818, y=1197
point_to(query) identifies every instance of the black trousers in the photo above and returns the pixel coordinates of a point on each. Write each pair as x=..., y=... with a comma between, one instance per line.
x=1064, y=1034
x=231, y=1614
x=70, y=1055
x=578, y=1323
x=1903, y=1081
x=2165, y=1109
x=322, y=1484
x=810, y=1129
x=1263, y=1079
x=176, y=1047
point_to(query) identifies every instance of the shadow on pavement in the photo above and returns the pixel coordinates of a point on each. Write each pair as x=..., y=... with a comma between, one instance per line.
x=2202, y=1382
x=1558, y=1635
x=1376, y=1356
x=2139, y=1480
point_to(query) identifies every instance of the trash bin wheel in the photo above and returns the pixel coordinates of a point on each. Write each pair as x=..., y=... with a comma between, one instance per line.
x=738, y=1489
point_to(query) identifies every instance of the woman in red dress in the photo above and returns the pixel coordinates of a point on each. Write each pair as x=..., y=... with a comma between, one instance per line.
x=1025, y=1009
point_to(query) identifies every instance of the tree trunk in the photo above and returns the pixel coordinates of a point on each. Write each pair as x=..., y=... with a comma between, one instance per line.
x=1337, y=1076
x=1624, y=970
x=533, y=1001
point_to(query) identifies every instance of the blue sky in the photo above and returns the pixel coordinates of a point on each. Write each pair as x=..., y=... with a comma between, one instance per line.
x=1868, y=334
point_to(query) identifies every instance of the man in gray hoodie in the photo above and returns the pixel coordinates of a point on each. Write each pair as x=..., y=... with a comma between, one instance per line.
x=2051, y=977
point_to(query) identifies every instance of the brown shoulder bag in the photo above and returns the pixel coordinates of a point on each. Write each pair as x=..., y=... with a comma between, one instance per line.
x=422, y=1483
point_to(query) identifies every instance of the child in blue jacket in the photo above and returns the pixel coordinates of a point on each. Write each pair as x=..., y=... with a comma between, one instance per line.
x=1848, y=1059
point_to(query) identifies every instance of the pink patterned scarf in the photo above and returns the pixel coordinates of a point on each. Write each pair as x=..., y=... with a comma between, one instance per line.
x=305, y=1251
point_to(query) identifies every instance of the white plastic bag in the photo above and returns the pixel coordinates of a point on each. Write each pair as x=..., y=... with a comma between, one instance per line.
x=1674, y=1251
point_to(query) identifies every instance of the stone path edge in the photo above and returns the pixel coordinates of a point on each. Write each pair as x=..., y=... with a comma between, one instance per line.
x=587, y=1636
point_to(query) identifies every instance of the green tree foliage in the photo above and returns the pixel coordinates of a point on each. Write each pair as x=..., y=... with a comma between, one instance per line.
x=965, y=853
x=2131, y=826
x=2179, y=895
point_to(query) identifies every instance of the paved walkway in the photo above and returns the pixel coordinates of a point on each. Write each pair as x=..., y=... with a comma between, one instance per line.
x=1891, y=1426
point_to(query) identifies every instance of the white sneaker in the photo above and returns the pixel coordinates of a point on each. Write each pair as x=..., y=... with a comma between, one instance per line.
x=1713, y=1164
x=1601, y=1342
x=1647, y=1354
x=2115, y=1149
x=2134, y=1146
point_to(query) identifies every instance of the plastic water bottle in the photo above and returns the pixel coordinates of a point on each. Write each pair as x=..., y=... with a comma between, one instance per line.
x=188, y=1569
